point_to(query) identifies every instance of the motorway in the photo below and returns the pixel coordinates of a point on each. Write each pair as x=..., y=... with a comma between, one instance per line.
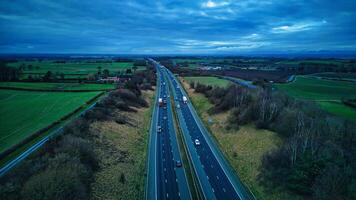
x=215, y=177
x=165, y=179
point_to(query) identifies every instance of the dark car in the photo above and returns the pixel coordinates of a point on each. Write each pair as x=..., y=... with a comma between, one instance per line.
x=178, y=163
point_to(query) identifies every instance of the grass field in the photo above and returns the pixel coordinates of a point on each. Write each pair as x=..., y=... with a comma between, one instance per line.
x=336, y=75
x=122, y=151
x=243, y=148
x=57, y=86
x=326, y=93
x=295, y=62
x=71, y=67
x=194, y=62
x=208, y=80
x=23, y=112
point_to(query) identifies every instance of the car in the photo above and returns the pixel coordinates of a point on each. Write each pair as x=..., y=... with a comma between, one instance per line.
x=165, y=117
x=178, y=106
x=196, y=142
x=159, y=129
x=178, y=163
x=165, y=107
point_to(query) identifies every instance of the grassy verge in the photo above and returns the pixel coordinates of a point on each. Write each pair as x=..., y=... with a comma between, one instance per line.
x=56, y=86
x=122, y=150
x=243, y=148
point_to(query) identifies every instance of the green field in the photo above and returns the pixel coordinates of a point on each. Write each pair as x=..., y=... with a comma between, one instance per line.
x=71, y=67
x=57, y=86
x=327, y=93
x=208, y=80
x=23, y=112
x=344, y=76
x=296, y=62
x=194, y=62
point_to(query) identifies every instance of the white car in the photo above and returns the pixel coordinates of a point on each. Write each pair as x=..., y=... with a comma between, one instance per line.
x=159, y=129
x=197, y=142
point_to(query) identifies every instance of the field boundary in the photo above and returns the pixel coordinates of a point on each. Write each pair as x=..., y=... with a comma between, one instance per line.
x=41, y=131
x=50, y=90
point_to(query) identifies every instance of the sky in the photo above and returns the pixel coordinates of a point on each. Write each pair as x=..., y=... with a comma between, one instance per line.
x=176, y=27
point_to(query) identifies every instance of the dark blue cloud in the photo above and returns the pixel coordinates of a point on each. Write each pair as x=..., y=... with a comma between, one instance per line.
x=173, y=26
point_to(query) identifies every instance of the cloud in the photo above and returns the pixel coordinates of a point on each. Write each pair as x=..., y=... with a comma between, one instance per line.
x=302, y=26
x=162, y=26
x=212, y=4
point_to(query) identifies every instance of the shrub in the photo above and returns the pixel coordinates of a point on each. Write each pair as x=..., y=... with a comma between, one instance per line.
x=98, y=114
x=54, y=184
x=79, y=147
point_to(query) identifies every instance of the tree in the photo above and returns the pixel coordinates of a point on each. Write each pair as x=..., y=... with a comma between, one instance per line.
x=61, y=75
x=122, y=178
x=48, y=76
x=54, y=184
x=99, y=70
x=8, y=73
x=128, y=71
x=106, y=73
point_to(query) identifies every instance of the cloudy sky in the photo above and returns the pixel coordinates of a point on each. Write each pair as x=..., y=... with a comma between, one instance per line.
x=173, y=26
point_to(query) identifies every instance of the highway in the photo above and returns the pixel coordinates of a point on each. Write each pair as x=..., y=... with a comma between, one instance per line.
x=166, y=176
x=216, y=178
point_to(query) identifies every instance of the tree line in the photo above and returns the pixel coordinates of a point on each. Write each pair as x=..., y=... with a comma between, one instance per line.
x=8, y=73
x=317, y=158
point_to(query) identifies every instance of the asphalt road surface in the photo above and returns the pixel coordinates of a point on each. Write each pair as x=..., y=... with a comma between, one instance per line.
x=166, y=178
x=224, y=184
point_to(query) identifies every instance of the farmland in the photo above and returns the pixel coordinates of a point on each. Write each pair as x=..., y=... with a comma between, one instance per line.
x=23, y=112
x=56, y=86
x=70, y=67
x=47, y=90
x=336, y=75
x=208, y=80
x=327, y=93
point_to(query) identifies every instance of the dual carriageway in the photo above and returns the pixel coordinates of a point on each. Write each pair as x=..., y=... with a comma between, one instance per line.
x=213, y=177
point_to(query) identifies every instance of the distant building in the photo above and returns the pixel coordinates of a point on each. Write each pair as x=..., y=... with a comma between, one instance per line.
x=109, y=80
x=209, y=68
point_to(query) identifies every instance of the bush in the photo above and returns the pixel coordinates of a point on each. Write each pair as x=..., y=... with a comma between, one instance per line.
x=316, y=147
x=98, y=114
x=81, y=148
x=54, y=184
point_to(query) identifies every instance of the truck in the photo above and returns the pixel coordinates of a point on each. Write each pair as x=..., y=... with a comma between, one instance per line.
x=185, y=100
x=160, y=101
